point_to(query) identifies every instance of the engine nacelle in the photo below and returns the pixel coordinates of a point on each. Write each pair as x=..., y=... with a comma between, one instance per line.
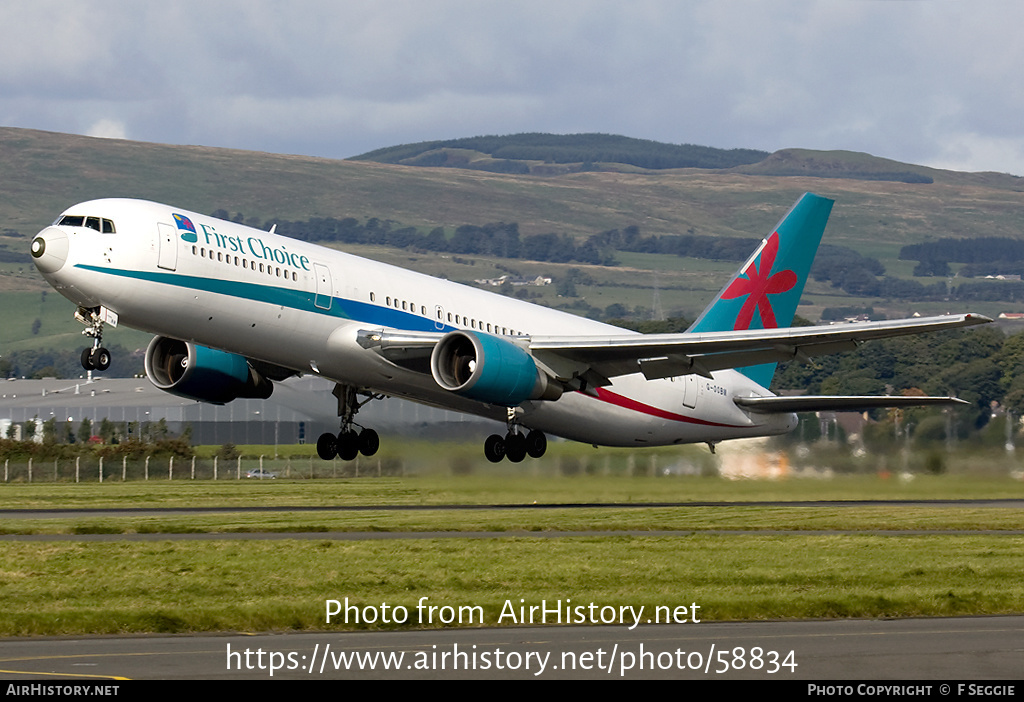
x=199, y=373
x=490, y=369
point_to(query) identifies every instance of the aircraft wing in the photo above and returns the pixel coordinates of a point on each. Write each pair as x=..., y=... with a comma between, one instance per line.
x=597, y=359
x=665, y=355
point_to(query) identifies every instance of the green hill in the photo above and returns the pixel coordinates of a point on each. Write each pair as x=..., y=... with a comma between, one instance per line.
x=560, y=154
x=45, y=172
x=557, y=154
x=860, y=166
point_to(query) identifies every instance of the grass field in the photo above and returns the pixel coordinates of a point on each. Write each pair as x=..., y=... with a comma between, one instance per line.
x=741, y=561
x=71, y=588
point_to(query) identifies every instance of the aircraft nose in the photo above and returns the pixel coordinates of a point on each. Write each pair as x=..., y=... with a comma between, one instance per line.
x=50, y=250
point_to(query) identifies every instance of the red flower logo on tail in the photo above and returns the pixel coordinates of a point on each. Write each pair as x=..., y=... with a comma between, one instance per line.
x=758, y=285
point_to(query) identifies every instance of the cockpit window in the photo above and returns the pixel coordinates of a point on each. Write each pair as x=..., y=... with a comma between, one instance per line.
x=105, y=226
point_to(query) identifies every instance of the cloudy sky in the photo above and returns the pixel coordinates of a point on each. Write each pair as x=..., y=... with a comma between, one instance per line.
x=935, y=82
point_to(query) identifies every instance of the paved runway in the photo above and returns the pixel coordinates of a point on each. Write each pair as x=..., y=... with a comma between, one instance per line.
x=57, y=513
x=950, y=650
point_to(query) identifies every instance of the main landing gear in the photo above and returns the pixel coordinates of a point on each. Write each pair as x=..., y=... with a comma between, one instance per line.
x=97, y=357
x=515, y=445
x=352, y=439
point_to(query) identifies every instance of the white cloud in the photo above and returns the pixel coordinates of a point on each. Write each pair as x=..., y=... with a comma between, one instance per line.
x=914, y=81
x=107, y=129
x=978, y=152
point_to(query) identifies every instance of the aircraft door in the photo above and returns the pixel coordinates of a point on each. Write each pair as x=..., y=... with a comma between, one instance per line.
x=324, y=289
x=439, y=322
x=690, y=390
x=167, y=236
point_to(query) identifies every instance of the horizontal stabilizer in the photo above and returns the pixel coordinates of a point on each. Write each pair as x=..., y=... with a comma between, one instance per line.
x=838, y=403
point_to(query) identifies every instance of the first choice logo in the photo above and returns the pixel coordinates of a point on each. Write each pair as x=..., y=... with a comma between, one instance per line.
x=186, y=227
x=252, y=246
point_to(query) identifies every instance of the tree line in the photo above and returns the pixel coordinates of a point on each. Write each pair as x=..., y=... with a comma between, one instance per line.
x=575, y=148
x=983, y=366
x=106, y=438
x=990, y=255
x=53, y=363
x=986, y=249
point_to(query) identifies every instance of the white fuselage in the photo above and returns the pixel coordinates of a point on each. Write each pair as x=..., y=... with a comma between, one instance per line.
x=301, y=306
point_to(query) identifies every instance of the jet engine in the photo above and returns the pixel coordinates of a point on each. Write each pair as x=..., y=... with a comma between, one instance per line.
x=490, y=369
x=199, y=373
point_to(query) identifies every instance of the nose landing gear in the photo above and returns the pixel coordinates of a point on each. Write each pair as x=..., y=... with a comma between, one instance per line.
x=97, y=357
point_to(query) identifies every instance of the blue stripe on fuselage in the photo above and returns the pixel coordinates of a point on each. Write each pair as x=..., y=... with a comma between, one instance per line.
x=284, y=297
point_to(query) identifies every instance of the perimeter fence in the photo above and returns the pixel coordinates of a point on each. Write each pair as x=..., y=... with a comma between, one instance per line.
x=97, y=469
x=460, y=460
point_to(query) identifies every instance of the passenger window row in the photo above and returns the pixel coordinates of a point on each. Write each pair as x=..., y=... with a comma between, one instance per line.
x=245, y=263
x=459, y=320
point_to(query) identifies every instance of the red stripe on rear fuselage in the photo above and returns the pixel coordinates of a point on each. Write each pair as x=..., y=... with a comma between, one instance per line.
x=635, y=406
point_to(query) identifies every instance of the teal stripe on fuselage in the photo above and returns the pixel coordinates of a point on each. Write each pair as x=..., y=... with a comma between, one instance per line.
x=283, y=297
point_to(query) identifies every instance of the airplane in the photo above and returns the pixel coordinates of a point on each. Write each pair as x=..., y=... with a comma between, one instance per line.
x=235, y=309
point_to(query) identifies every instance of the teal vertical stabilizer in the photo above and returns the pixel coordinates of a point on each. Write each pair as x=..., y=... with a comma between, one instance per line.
x=765, y=291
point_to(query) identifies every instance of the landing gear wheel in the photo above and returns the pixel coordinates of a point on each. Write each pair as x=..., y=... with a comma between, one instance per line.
x=494, y=448
x=515, y=447
x=96, y=359
x=348, y=445
x=101, y=358
x=536, y=444
x=369, y=442
x=327, y=446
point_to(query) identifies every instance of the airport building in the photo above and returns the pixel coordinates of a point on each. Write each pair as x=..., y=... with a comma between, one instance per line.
x=298, y=412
